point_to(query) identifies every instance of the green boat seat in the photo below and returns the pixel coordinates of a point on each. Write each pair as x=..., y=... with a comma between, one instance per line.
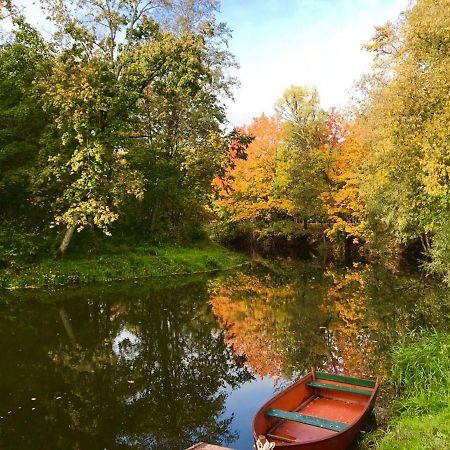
x=336, y=387
x=345, y=379
x=308, y=420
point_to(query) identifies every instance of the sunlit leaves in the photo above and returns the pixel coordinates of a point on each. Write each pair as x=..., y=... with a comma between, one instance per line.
x=408, y=184
x=134, y=112
x=284, y=174
x=250, y=188
x=346, y=208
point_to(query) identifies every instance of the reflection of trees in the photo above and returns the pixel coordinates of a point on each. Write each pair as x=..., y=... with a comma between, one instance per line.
x=146, y=367
x=345, y=321
x=245, y=304
x=272, y=320
x=349, y=334
x=371, y=309
x=138, y=369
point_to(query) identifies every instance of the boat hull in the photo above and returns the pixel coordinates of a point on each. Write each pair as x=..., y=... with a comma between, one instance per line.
x=330, y=402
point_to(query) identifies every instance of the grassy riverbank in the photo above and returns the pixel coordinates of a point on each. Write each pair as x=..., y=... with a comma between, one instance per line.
x=140, y=262
x=421, y=415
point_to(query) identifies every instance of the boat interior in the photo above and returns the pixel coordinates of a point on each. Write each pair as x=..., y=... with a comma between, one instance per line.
x=316, y=409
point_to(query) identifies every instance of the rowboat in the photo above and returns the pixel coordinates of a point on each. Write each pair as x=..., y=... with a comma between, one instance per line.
x=319, y=411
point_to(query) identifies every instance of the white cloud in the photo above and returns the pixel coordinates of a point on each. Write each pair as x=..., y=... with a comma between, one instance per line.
x=325, y=52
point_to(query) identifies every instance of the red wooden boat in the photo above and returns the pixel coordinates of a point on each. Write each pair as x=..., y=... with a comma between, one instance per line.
x=319, y=411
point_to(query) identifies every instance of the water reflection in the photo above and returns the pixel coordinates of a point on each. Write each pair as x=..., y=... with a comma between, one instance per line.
x=294, y=317
x=140, y=369
x=164, y=365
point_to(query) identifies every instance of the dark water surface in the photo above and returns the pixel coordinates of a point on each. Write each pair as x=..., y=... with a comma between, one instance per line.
x=164, y=364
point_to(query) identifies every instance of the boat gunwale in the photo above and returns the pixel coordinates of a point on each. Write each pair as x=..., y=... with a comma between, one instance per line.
x=302, y=380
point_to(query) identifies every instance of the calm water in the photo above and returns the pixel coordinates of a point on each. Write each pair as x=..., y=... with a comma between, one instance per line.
x=162, y=365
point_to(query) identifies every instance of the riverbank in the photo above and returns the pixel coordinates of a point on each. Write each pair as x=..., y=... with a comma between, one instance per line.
x=138, y=263
x=421, y=414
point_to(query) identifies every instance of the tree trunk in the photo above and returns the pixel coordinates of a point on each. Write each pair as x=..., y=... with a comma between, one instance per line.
x=325, y=250
x=305, y=224
x=66, y=241
x=428, y=243
x=67, y=325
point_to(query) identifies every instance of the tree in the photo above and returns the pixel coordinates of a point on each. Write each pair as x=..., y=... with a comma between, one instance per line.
x=303, y=118
x=249, y=194
x=279, y=184
x=407, y=112
x=345, y=207
x=23, y=59
x=135, y=112
x=301, y=175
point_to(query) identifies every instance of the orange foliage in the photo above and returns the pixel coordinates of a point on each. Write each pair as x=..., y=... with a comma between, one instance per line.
x=250, y=194
x=350, y=337
x=345, y=207
x=236, y=152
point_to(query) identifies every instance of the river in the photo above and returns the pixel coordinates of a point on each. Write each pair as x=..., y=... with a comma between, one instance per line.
x=162, y=364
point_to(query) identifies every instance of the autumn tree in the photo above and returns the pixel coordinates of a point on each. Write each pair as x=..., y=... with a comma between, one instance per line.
x=301, y=176
x=407, y=109
x=135, y=112
x=277, y=190
x=344, y=205
x=249, y=196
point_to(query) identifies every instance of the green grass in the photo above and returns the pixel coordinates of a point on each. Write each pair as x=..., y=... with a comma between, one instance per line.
x=421, y=375
x=427, y=432
x=146, y=261
x=422, y=372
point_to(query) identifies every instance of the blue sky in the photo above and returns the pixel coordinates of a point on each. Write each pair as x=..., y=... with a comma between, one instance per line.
x=302, y=42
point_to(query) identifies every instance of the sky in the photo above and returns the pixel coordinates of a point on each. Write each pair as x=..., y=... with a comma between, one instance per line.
x=318, y=43
x=279, y=43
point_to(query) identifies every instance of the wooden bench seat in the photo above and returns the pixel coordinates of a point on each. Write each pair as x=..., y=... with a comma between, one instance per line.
x=345, y=379
x=308, y=420
x=336, y=387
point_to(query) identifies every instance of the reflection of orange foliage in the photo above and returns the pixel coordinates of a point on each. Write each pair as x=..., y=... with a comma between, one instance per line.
x=244, y=304
x=352, y=342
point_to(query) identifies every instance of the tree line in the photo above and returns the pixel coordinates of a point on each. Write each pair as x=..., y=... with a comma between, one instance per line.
x=116, y=123
x=376, y=174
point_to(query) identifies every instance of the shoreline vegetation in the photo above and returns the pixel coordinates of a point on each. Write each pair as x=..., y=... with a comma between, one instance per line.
x=420, y=413
x=133, y=264
x=116, y=126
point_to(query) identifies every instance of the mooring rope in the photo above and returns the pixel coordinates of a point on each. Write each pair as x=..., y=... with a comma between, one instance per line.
x=266, y=446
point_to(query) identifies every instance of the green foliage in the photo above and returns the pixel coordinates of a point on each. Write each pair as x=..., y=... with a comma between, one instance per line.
x=302, y=160
x=21, y=245
x=120, y=106
x=422, y=415
x=406, y=113
x=304, y=119
x=22, y=119
x=115, y=123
